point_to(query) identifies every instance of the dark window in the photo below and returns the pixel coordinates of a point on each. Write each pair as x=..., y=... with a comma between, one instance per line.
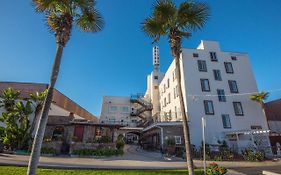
x=217, y=75
x=221, y=95
x=156, y=77
x=234, y=58
x=228, y=67
x=202, y=67
x=233, y=86
x=209, y=108
x=58, y=133
x=195, y=55
x=226, y=121
x=238, y=110
x=213, y=56
x=256, y=127
x=205, y=86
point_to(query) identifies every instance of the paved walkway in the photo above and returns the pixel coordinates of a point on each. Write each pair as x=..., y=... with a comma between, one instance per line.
x=135, y=158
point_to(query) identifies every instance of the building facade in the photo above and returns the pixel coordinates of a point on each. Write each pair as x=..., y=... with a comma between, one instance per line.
x=216, y=86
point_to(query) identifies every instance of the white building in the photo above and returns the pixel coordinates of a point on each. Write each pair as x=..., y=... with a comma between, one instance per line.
x=213, y=84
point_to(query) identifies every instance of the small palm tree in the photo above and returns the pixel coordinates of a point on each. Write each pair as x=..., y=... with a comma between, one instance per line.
x=260, y=98
x=37, y=99
x=61, y=16
x=177, y=23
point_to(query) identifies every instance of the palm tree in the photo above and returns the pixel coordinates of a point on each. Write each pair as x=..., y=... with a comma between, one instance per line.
x=61, y=16
x=260, y=98
x=37, y=99
x=177, y=23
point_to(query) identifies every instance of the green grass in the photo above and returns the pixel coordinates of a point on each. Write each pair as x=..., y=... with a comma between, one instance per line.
x=11, y=170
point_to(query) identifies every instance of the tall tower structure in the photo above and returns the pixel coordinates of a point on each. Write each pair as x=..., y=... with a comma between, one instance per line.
x=153, y=81
x=155, y=56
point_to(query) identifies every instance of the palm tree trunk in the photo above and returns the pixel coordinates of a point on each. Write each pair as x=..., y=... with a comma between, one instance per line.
x=175, y=44
x=37, y=143
x=184, y=121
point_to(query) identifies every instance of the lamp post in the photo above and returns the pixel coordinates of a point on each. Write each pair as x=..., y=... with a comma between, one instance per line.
x=204, y=143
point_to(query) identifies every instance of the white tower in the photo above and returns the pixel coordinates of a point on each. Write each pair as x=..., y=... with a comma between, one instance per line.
x=155, y=56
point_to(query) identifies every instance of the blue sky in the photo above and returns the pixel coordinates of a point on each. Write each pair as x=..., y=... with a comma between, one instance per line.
x=117, y=60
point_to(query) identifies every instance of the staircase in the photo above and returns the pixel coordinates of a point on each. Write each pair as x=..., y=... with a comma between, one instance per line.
x=145, y=106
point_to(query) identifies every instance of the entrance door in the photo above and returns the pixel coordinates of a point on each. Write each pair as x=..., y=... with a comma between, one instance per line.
x=78, y=133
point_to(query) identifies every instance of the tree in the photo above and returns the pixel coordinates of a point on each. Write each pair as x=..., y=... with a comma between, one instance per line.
x=61, y=17
x=177, y=23
x=37, y=99
x=260, y=98
x=16, y=119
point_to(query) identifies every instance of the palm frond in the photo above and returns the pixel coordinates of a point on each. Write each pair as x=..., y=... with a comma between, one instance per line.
x=164, y=10
x=90, y=21
x=192, y=15
x=153, y=28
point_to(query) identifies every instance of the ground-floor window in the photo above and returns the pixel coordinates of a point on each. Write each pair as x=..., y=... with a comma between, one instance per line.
x=178, y=140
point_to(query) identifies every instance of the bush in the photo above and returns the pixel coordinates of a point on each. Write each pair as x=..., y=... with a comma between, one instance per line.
x=48, y=151
x=98, y=152
x=215, y=169
x=120, y=144
x=255, y=156
x=103, y=139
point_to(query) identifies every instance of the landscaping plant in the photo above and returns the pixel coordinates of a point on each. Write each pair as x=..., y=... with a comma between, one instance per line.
x=215, y=169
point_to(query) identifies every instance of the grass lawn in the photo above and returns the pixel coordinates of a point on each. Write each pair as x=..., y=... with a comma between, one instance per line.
x=11, y=170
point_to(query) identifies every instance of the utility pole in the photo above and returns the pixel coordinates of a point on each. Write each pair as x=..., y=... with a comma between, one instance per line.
x=204, y=143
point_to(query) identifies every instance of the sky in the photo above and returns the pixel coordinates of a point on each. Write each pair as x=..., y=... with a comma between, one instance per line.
x=117, y=60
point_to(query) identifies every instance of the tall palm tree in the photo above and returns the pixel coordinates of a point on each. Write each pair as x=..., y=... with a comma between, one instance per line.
x=177, y=23
x=61, y=16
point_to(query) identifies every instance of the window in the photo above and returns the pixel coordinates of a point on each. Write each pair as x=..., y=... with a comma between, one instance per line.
x=213, y=56
x=217, y=75
x=256, y=127
x=155, y=87
x=165, y=102
x=168, y=83
x=228, y=67
x=175, y=93
x=234, y=58
x=195, y=55
x=177, y=90
x=125, y=109
x=164, y=88
x=58, y=133
x=202, y=67
x=226, y=121
x=233, y=86
x=178, y=140
x=209, y=108
x=113, y=108
x=205, y=86
x=169, y=98
x=155, y=77
x=174, y=75
x=221, y=95
x=238, y=110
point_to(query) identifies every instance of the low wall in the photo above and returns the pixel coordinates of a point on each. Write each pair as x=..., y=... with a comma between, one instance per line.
x=56, y=145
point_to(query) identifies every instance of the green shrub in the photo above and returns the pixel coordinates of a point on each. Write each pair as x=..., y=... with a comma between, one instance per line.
x=255, y=156
x=215, y=169
x=98, y=152
x=48, y=151
x=120, y=144
x=103, y=139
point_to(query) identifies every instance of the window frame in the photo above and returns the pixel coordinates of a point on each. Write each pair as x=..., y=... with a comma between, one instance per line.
x=206, y=106
x=221, y=98
x=230, y=86
x=226, y=68
x=203, y=85
x=224, y=122
x=217, y=78
x=202, y=62
x=235, y=111
x=180, y=140
x=213, y=56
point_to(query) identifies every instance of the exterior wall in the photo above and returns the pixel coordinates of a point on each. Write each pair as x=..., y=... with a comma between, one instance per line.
x=121, y=115
x=273, y=115
x=194, y=97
